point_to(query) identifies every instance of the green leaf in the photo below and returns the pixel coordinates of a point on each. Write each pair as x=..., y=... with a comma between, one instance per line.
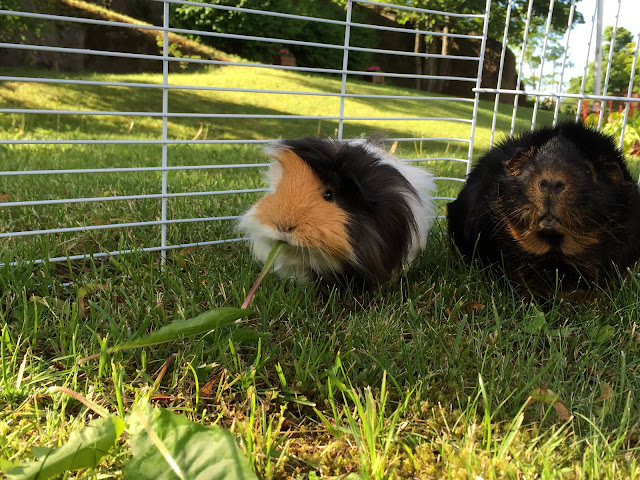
x=203, y=323
x=602, y=334
x=84, y=449
x=40, y=452
x=167, y=446
x=535, y=322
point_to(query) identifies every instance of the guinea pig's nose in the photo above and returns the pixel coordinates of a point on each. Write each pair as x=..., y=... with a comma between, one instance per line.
x=284, y=227
x=551, y=186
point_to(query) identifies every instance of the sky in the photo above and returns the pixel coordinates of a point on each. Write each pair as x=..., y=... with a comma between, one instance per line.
x=629, y=18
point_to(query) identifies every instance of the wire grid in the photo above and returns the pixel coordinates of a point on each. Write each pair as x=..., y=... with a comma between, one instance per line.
x=559, y=93
x=163, y=167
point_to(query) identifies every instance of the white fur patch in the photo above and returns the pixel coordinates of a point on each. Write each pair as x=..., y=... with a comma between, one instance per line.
x=424, y=210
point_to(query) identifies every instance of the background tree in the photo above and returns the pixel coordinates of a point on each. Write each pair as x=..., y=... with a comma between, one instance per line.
x=620, y=71
x=14, y=28
x=208, y=19
x=497, y=18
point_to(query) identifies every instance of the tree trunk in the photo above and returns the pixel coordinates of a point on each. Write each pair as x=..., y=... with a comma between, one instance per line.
x=444, y=63
x=431, y=64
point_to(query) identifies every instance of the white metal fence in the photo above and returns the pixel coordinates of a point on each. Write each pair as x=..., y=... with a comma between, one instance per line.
x=9, y=170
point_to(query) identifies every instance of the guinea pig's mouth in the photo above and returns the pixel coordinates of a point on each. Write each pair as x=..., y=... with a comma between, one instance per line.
x=548, y=222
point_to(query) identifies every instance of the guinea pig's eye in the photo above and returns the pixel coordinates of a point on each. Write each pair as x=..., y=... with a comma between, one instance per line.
x=588, y=171
x=328, y=195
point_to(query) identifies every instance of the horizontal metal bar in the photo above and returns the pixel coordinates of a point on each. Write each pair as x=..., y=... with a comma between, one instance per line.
x=433, y=159
x=443, y=198
x=128, y=169
x=410, y=54
x=537, y=93
x=87, y=256
x=416, y=31
x=221, y=115
x=87, y=228
x=222, y=89
x=129, y=142
x=89, y=21
x=349, y=72
x=141, y=56
x=420, y=10
x=453, y=179
x=428, y=139
x=57, y=201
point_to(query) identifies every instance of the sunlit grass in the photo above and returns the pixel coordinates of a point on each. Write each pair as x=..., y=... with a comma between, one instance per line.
x=426, y=377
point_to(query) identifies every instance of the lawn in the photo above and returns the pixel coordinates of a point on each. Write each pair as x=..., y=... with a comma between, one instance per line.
x=430, y=376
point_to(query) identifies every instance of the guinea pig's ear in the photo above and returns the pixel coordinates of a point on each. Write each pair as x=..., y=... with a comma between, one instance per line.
x=513, y=166
x=613, y=172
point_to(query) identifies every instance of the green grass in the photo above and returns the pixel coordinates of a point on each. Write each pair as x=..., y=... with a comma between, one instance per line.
x=427, y=377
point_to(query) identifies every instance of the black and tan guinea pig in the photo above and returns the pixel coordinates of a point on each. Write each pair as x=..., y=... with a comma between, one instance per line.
x=551, y=203
x=349, y=212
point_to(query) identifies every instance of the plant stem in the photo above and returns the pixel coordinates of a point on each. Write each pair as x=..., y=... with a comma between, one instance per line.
x=275, y=251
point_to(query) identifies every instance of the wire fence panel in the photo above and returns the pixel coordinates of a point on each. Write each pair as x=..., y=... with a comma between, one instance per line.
x=153, y=144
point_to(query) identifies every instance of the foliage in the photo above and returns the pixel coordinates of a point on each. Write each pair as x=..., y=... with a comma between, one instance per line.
x=14, y=28
x=497, y=19
x=620, y=67
x=233, y=22
x=613, y=127
x=85, y=449
x=164, y=445
x=620, y=71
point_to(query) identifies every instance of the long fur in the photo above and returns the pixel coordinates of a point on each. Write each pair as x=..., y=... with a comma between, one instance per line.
x=551, y=201
x=375, y=223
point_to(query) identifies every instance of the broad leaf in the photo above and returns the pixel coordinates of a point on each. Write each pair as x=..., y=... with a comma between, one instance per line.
x=602, y=334
x=167, y=446
x=84, y=449
x=178, y=329
x=535, y=322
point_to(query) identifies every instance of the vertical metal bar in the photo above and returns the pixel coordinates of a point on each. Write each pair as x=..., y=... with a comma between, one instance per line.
x=586, y=62
x=629, y=93
x=502, y=54
x=476, y=102
x=165, y=111
x=606, y=77
x=345, y=65
x=542, y=59
x=564, y=61
x=524, y=46
x=597, y=65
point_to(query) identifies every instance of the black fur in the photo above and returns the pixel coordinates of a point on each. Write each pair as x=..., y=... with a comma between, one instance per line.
x=373, y=195
x=604, y=204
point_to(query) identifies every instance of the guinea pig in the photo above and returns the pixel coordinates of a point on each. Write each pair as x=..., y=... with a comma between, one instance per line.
x=552, y=203
x=349, y=212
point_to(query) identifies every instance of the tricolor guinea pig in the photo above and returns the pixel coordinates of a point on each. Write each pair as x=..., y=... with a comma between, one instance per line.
x=552, y=203
x=348, y=211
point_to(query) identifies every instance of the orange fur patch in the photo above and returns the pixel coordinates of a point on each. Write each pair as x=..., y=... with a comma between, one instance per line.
x=297, y=204
x=573, y=244
x=529, y=241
